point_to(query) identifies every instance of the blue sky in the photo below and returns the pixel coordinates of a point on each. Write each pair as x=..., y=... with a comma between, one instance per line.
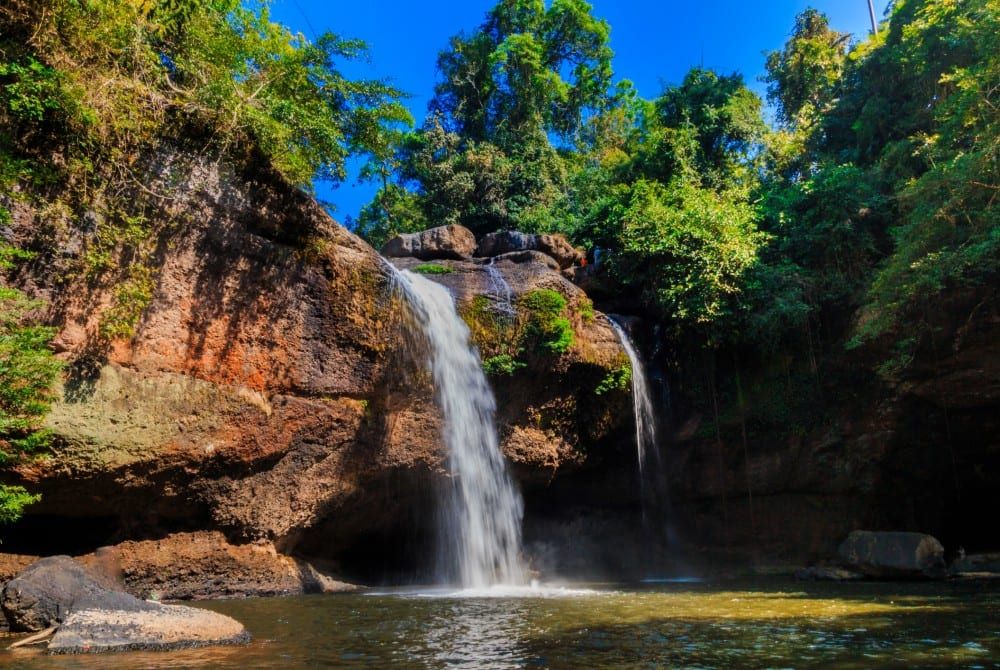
x=655, y=42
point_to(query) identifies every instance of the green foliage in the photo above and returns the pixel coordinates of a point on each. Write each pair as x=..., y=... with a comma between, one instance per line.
x=30, y=90
x=827, y=225
x=618, y=379
x=527, y=69
x=131, y=298
x=9, y=254
x=544, y=302
x=432, y=269
x=28, y=371
x=13, y=500
x=502, y=364
x=27, y=368
x=484, y=157
x=802, y=77
x=948, y=233
x=475, y=183
x=393, y=211
x=705, y=128
x=255, y=77
x=547, y=328
x=688, y=247
x=117, y=75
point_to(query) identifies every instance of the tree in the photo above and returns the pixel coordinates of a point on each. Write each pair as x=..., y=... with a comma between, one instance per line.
x=120, y=74
x=802, y=77
x=948, y=231
x=710, y=126
x=527, y=69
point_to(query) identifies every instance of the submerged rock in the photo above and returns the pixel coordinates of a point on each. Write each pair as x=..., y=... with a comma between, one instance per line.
x=827, y=573
x=556, y=246
x=893, y=554
x=91, y=615
x=444, y=242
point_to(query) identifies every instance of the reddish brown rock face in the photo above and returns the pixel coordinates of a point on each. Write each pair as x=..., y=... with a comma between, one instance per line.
x=269, y=391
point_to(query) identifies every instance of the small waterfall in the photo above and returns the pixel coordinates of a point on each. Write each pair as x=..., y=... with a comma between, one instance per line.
x=642, y=404
x=482, y=515
x=500, y=290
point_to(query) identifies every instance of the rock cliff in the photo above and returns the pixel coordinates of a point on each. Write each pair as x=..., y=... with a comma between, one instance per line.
x=268, y=391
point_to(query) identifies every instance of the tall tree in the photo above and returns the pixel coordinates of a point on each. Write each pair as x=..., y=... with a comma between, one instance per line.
x=801, y=77
x=527, y=68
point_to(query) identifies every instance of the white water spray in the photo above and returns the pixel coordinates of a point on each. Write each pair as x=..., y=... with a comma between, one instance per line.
x=642, y=404
x=482, y=515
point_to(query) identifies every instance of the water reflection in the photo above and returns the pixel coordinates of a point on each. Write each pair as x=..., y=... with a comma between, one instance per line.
x=473, y=633
x=780, y=624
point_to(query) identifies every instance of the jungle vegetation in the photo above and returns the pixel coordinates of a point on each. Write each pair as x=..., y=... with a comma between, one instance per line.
x=839, y=226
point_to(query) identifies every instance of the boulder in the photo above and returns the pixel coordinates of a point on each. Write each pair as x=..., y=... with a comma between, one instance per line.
x=213, y=568
x=138, y=624
x=42, y=594
x=893, y=554
x=556, y=246
x=444, y=242
x=90, y=615
x=977, y=565
x=529, y=256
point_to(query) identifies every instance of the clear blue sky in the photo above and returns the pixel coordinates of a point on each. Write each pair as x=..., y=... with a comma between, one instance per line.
x=655, y=42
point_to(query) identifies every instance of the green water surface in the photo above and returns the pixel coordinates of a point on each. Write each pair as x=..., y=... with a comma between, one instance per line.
x=773, y=624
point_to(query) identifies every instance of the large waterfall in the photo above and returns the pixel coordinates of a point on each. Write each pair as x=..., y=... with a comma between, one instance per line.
x=642, y=404
x=482, y=514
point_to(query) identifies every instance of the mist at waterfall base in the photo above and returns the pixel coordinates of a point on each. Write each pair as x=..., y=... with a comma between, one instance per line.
x=480, y=517
x=479, y=509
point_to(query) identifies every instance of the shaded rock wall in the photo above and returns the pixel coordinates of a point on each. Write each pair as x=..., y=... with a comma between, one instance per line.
x=839, y=447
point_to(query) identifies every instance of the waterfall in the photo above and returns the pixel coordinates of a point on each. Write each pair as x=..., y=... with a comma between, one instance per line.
x=500, y=290
x=642, y=404
x=481, y=519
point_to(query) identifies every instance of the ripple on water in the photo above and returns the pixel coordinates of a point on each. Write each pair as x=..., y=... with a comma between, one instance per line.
x=754, y=624
x=496, y=591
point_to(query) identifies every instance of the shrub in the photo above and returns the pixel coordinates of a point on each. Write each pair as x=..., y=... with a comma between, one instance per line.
x=547, y=327
x=619, y=379
x=502, y=364
x=13, y=500
x=28, y=370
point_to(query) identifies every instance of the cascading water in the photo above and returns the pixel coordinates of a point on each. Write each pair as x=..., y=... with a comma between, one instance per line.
x=642, y=404
x=482, y=515
x=500, y=290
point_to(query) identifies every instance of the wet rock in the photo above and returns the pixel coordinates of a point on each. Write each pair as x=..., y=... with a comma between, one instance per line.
x=530, y=257
x=132, y=624
x=92, y=615
x=556, y=246
x=43, y=594
x=443, y=242
x=212, y=568
x=826, y=573
x=893, y=554
x=268, y=394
